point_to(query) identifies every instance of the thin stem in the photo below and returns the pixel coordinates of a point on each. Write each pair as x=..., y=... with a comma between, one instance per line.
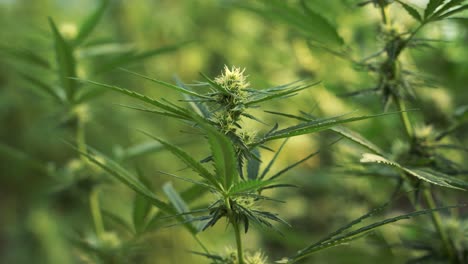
x=438, y=223
x=81, y=136
x=235, y=225
x=96, y=212
x=404, y=116
x=384, y=13
x=201, y=244
x=240, y=253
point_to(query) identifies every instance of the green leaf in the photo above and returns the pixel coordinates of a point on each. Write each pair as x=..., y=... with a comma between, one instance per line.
x=214, y=85
x=305, y=20
x=272, y=161
x=453, y=3
x=431, y=6
x=175, y=111
x=357, y=138
x=45, y=88
x=290, y=167
x=425, y=175
x=189, y=161
x=281, y=94
x=248, y=186
x=141, y=207
x=125, y=177
x=353, y=235
x=65, y=62
x=323, y=29
x=253, y=164
x=90, y=23
x=168, y=85
x=180, y=206
x=27, y=56
x=452, y=12
x=411, y=11
x=139, y=150
x=223, y=153
x=312, y=127
x=128, y=58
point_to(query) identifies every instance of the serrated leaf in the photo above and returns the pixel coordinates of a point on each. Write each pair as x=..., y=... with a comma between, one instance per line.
x=357, y=138
x=411, y=11
x=223, y=153
x=189, y=161
x=425, y=175
x=281, y=94
x=176, y=111
x=312, y=127
x=352, y=235
x=168, y=85
x=431, y=6
x=305, y=20
x=65, y=62
x=90, y=23
x=325, y=30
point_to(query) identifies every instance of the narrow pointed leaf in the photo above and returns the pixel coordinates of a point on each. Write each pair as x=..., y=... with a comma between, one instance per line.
x=439, y=179
x=45, y=88
x=223, y=153
x=357, y=138
x=452, y=12
x=125, y=177
x=272, y=161
x=253, y=164
x=168, y=85
x=90, y=23
x=312, y=127
x=248, y=186
x=410, y=10
x=180, y=206
x=431, y=6
x=189, y=161
x=65, y=62
x=352, y=235
x=451, y=4
x=182, y=113
x=214, y=85
x=141, y=207
x=325, y=31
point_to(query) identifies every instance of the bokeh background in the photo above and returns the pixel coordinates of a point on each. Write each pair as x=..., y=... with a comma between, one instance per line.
x=45, y=188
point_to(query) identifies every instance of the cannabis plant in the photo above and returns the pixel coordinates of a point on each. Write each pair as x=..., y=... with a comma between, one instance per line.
x=419, y=163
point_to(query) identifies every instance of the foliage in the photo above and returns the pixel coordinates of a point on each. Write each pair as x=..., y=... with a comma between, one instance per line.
x=84, y=181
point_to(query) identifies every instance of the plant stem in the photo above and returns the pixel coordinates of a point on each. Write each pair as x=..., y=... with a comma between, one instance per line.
x=240, y=253
x=235, y=225
x=96, y=212
x=438, y=223
x=404, y=117
x=80, y=137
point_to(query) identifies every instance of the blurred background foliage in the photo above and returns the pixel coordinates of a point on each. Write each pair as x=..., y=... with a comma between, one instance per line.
x=44, y=188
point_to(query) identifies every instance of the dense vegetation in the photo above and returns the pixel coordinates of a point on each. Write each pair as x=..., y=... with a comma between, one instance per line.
x=233, y=131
